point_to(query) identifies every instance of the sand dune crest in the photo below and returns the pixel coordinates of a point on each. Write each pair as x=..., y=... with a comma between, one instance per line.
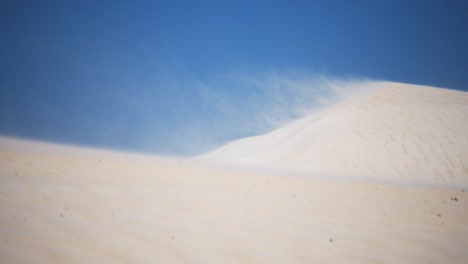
x=398, y=132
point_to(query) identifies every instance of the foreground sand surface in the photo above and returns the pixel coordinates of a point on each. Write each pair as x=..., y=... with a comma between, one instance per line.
x=61, y=204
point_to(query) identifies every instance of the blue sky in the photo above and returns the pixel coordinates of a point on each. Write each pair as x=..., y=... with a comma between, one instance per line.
x=180, y=77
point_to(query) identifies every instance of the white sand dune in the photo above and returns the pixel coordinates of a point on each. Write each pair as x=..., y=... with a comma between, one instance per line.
x=63, y=204
x=397, y=132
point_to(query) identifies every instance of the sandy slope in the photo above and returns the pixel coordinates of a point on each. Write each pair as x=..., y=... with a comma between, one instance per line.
x=68, y=205
x=397, y=132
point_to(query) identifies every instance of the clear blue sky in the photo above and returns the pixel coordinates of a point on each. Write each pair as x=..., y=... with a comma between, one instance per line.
x=157, y=76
